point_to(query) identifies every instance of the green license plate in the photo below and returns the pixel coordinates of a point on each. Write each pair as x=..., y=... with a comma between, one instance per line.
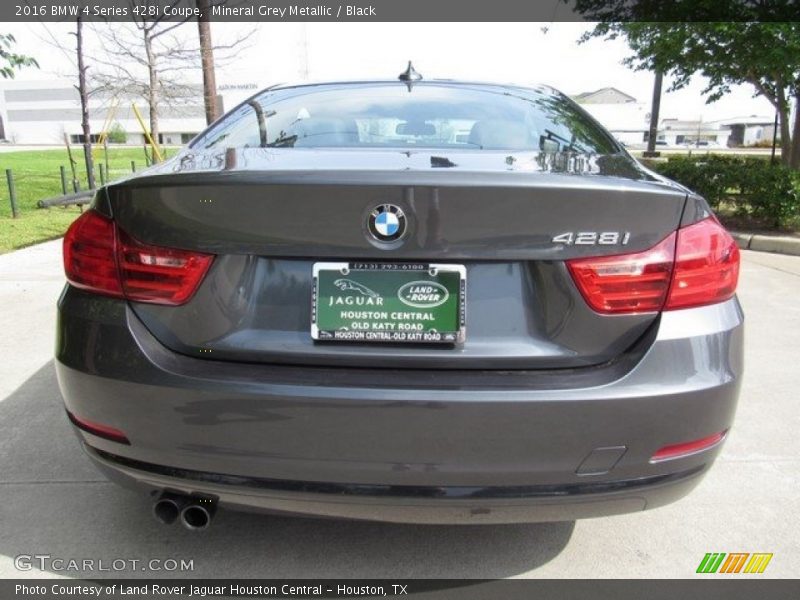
x=389, y=302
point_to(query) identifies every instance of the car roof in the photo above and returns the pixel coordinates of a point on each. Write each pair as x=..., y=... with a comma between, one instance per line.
x=423, y=82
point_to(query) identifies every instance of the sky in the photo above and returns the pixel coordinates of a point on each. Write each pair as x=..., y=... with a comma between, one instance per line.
x=520, y=53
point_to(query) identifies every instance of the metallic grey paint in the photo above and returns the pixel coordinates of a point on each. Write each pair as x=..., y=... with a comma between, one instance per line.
x=544, y=393
x=389, y=427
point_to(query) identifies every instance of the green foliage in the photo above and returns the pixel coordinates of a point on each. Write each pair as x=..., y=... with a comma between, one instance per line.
x=751, y=48
x=753, y=186
x=707, y=11
x=766, y=55
x=36, y=176
x=117, y=134
x=9, y=60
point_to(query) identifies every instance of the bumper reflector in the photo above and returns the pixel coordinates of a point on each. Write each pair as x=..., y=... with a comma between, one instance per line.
x=98, y=429
x=688, y=448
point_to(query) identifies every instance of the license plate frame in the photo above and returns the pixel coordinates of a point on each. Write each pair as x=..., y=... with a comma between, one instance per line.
x=434, y=293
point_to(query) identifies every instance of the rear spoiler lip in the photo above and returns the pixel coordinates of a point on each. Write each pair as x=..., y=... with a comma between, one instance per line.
x=408, y=178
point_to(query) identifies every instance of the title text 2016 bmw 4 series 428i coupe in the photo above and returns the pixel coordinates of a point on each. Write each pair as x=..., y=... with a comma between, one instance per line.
x=410, y=301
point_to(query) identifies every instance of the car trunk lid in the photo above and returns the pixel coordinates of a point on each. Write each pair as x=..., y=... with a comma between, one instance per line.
x=510, y=220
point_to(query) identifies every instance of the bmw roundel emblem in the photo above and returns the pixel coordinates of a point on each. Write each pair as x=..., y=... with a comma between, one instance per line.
x=387, y=223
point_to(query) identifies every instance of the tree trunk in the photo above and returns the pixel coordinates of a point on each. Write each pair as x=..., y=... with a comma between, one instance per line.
x=794, y=159
x=207, y=61
x=84, y=95
x=152, y=88
x=786, y=136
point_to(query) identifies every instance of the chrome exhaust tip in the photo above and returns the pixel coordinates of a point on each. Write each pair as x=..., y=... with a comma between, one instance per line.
x=198, y=514
x=167, y=508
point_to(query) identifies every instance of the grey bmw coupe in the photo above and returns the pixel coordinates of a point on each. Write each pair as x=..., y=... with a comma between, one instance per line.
x=403, y=300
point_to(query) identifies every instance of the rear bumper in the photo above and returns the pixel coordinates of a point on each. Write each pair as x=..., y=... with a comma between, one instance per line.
x=402, y=445
x=405, y=504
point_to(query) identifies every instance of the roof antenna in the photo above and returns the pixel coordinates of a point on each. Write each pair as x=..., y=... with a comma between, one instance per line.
x=409, y=76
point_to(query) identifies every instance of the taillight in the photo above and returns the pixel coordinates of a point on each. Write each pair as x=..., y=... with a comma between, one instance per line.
x=626, y=283
x=100, y=257
x=89, y=256
x=159, y=275
x=706, y=265
x=696, y=265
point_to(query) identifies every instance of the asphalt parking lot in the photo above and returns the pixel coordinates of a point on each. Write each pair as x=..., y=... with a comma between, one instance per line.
x=52, y=502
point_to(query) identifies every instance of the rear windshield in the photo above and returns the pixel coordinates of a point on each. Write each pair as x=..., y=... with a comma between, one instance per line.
x=426, y=116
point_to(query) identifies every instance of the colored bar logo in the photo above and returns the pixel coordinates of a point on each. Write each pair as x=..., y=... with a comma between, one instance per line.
x=734, y=562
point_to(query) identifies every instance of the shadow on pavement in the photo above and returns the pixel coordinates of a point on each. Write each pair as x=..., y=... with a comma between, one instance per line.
x=54, y=502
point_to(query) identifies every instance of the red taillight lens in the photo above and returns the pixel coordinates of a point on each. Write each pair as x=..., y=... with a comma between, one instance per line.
x=627, y=283
x=706, y=266
x=697, y=265
x=89, y=256
x=102, y=258
x=159, y=275
x=688, y=448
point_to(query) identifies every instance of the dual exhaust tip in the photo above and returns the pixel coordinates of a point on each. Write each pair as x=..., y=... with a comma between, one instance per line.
x=194, y=512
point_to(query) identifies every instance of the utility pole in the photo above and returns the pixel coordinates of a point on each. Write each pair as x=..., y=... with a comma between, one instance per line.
x=207, y=62
x=654, y=110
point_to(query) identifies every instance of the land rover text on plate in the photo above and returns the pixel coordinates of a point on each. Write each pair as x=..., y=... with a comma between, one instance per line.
x=404, y=300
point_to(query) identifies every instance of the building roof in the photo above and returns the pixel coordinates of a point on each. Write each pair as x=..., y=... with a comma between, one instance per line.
x=750, y=120
x=689, y=126
x=606, y=95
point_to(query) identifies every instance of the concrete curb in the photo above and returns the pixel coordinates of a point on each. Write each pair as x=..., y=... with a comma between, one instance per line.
x=768, y=243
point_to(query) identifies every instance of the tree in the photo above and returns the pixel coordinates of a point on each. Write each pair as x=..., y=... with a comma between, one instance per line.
x=117, y=134
x=731, y=43
x=150, y=59
x=207, y=61
x=77, y=59
x=764, y=55
x=83, y=92
x=11, y=60
x=144, y=59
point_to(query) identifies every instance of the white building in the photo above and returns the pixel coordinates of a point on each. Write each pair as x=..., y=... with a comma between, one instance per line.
x=749, y=131
x=730, y=132
x=625, y=117
x=41, y=112
x=679, y=132
x=629, y=121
